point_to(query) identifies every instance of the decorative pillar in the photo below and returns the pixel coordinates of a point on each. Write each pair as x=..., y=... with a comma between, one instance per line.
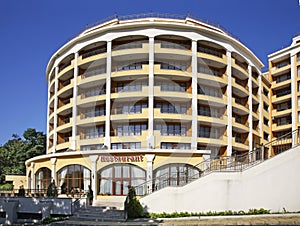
x=194, y=96
x=53, y=170
x=229, y=104
x=108, y=91
x=94, y=159
x=74, y=107
x=55, y=110
x=151, y=144
x=250, y=118
x=294, y=100
x=32, y=176
x=149, y=179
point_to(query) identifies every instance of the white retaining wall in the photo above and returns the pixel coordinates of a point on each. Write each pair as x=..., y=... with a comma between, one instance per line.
x=273, y=184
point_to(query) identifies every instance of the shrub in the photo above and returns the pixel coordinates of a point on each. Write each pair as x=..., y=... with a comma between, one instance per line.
x=52, y=190
x=7, y=187
x=133, y=206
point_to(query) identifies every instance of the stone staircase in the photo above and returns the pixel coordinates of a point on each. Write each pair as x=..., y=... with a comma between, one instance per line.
x=99, y=214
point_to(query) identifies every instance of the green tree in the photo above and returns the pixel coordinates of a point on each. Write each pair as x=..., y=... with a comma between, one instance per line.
x=133, y=206
x=17, y=150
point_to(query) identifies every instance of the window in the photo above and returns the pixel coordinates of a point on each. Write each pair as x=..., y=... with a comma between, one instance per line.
x=128, y=145
x=133, y=86
x=298, y=70
x=132, y=129
x=266, y=92
x=209, y=91
x=266, y=136
x=94, y=132
x=94, y=112
x=171, y=108
x=209, y=111
x=91, y=147
x=283, y=106
x=284, y=121
x=266, y=106
x=43, y=178
x=209, y=132
x=204, y=69
x=115, y=179
x=170, y=129
x=129, y=108
x=175, y=65
x=166, y=145
x=266, y=121
x=170, y=86
x=94, y=91
x=283, y=78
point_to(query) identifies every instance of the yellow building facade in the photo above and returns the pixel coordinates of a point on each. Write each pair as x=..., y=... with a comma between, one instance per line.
x=142, y=100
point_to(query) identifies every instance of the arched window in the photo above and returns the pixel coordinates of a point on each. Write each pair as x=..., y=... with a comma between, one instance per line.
x=73, y=178
x=116, y=178
x=42, y=178
x=174, y=175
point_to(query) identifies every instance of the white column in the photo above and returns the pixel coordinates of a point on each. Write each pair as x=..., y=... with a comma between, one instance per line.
x=150, y=158
x=108, y=90
x=74, y=107
x=250, y=118
x=53, y=170
x=194, y=96
x=55, y=110
x=294, y=100
x=261, y=105
x=48, y=112
x=28, y=180
x=151, y=95
x=32, y=176
x=94, y=159
x=229, y=105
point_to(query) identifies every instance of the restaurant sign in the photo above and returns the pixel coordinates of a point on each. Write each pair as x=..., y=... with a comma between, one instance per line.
x=112, y=158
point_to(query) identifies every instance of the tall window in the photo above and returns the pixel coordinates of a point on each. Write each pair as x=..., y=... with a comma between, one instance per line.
x=43, y=178
x=94, y=132
x=116, y=178
x=174, y=175
x=73, y=178
x=172, y=129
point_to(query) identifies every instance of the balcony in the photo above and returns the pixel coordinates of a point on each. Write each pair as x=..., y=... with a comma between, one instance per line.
x=91, y=100
x=144, y=114
x=218, y=58
x=240, y=144
x=124, y=139
x=281, y=127
x=241, y=126
x=280, y=113
x=85, y=82
x=281, y=69
x=90, y=121
x=285, y=83
x=65, y=68
x=240, y=106
x=210, y=79
x=66, y=86
x=240, y=86
x=222, y=120
x=64, y=106
x=135, y=94
x=65, y=125
x=163, y=48
x=172, y=116
x=82, y=141
x=161, y=70
x=142, y=69
x=279, y=99
x=92, y=56
x=64, y=144
x=213, y=101
x=180, y=95
x=239, y=66
x=222, y=140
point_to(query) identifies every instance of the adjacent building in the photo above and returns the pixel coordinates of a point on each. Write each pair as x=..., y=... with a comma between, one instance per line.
x=144, y=99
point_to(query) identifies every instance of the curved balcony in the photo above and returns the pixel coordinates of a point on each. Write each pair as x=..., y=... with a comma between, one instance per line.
x=133, y=49
x=83, y=142
x=237, y=66
x=221, y=141
x=171, y=116
x=90, y=121
x=240, y=107
x=125, y=139
x=254, y=83
x=66, y=69
x=91, y=81
x=240, y=126
x=174, y=73
x=66, y=88
x=174, y=139
x=65, y=127
x=93, y=56
x=240, y=144
x=213, y=101
x=240, y=87
x=66, y=107
x=212, y=80
x=255, y=115
x=144, y=115
x=164, y=51
x=255, y=99
x=219, y=61
x=213, y=121
x=171, y=94
x=139, y=94
x=90, y=101
x=256, y=131
x=64, y=145
x=144, y=70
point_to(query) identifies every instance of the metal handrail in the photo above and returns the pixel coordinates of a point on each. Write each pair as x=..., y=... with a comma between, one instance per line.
x=236, y=163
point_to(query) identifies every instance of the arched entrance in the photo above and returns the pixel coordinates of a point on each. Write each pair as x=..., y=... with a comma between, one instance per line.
x=42, y=178
x=115, y=179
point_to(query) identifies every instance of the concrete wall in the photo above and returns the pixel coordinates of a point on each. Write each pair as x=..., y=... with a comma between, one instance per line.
x=273, y=184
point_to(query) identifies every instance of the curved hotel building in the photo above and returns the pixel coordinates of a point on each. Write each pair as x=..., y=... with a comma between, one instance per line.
x=135, y=100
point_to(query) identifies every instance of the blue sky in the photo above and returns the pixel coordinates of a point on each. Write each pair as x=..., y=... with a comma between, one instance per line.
x=32, y=30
